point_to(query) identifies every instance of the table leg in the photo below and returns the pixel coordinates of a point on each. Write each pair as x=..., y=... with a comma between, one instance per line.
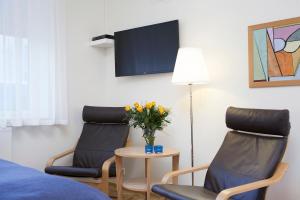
x=148, y=177
x=145, y=167
x=119, y=166
x=175, y=166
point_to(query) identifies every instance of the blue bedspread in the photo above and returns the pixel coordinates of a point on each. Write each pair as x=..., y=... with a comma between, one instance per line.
x=22, y=183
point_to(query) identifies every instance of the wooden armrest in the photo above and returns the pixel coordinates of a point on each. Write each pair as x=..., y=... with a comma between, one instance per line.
x=170, y=175
x=105, y=167
x=58, y=156
x=128, y=143
x=278, y=175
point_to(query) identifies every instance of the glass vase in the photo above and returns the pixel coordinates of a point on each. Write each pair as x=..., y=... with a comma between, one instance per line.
x=149, y=136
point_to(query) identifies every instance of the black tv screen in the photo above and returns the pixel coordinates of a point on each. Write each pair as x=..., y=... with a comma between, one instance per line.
x=147, y=50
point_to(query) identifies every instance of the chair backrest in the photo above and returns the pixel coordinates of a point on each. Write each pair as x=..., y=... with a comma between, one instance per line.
x=250, y=152
x=105, y=129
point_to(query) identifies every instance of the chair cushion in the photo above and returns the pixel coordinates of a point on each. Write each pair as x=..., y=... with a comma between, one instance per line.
x=104, y=114
x=183, y=192
x=78, y=172
x=98, y=142
x=244, y=158
x=273, y=122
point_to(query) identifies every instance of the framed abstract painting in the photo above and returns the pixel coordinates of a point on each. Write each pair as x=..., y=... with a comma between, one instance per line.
x=274, y=53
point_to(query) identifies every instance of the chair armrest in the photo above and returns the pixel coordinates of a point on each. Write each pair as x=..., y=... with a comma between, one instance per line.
x=128, y=143
x=105, y=167
x=58, y=156
x=277, y=176
x=170, y=175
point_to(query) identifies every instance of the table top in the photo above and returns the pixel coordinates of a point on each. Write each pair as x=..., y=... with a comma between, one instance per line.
x=139, y=152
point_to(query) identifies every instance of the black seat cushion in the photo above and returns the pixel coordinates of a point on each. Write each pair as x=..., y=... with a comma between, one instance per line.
x=244, y=158
x=264, y=121
x=78, y=172
x=105, y=130
x=98, y=142
x=183, y=192
x=110, y=115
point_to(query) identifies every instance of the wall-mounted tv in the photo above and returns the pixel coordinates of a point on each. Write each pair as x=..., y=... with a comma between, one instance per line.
x=147, y=50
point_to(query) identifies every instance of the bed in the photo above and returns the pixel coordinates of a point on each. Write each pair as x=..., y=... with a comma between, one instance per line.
x=23, y=183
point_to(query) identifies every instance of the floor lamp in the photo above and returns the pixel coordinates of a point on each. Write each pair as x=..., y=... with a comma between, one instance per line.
x=190, y=69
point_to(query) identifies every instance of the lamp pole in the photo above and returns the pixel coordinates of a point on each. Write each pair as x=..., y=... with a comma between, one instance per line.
x=192, y=129
x=190, y=69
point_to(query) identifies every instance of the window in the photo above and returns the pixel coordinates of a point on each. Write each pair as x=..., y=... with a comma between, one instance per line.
x=9, y=68
x=32, y=63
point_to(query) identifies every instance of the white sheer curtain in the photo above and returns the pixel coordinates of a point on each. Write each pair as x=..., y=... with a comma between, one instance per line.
x=32, y=63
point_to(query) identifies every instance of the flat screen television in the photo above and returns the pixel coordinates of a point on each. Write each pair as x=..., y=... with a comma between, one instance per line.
x=146, y=50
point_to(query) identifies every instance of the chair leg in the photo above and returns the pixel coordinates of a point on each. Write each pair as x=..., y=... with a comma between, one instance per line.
x=106, y=187
x=100, y=186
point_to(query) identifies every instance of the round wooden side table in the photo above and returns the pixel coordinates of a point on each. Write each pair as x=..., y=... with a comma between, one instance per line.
x=144, y=184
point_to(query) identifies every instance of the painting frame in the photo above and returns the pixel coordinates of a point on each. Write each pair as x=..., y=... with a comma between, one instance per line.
x=251, y=29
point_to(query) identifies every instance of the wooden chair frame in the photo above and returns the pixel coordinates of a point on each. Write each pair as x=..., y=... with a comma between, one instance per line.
x=102, y=182
x=227, y=193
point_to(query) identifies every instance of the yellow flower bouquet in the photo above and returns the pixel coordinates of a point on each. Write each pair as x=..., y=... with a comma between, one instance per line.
x=149, y=118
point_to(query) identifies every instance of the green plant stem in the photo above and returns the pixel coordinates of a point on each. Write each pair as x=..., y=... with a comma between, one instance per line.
x=149, y=139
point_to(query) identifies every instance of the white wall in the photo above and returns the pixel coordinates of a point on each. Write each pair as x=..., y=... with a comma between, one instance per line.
x=220, y=29
x=5, y=143
x=32, y=146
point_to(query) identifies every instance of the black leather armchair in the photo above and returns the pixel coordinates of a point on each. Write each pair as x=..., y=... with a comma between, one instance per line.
x=105, y=129
x=248, y=161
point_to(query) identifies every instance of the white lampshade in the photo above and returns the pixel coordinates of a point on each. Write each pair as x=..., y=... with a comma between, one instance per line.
x=190, y=67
